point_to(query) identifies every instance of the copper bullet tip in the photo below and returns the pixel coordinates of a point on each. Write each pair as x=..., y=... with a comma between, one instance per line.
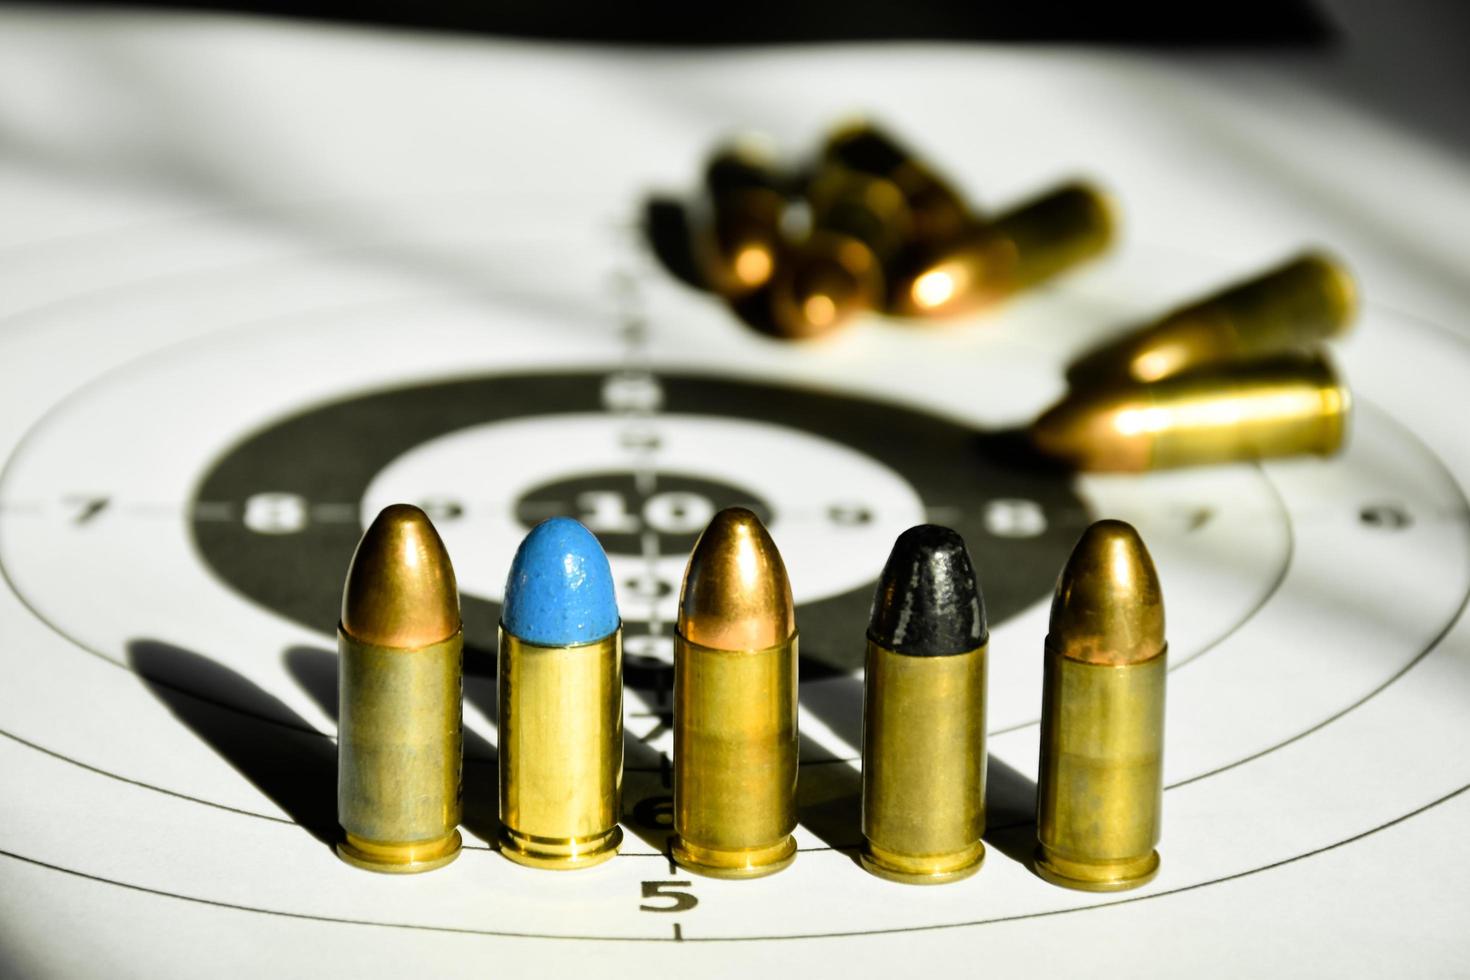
x=736, y=595
x=1108, y=607
x=400, y=588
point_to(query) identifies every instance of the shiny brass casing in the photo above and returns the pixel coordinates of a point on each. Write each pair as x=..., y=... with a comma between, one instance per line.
x=1019, y=249
x=1100, y=789
x=823, y=282
x=399, y=754
x=923, y=765
x=561, y=752
x=1294, y=306
x=1259, y=410
x=735, y=758
x=937, y=212
x=737, y=237
x=871, y=209
x=740, y=241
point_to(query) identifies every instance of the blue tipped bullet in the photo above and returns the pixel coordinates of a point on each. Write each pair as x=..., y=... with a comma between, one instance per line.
x=561, y=702
x=560, y=589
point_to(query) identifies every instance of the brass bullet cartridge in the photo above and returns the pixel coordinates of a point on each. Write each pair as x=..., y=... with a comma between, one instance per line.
x=826, y=280
x=870, y=209
x=1019, y=249
x=1285, y=406
x=1292, y=307
x=924, y=714
x=859, y=222
x=400, y=741
x=561, y=702
x=938, y=212
x=739, y=238
x=1100, y=787
x=735, y=704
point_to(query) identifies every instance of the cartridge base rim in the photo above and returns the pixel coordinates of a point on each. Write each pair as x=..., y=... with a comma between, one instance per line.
x=1058, y=872
x=876, y=863
x=399, y=858
x=559, y=853
x=717, y=863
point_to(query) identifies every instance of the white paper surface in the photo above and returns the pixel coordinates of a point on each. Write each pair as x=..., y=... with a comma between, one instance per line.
x=211, y=225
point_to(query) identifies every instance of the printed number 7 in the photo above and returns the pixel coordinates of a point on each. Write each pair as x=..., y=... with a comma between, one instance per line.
x=679, y=901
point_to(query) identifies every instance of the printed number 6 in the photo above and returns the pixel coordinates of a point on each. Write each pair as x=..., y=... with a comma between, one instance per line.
x=682, y=901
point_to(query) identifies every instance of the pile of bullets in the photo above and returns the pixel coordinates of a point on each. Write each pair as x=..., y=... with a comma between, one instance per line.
x=869, y=226
x=735, y=760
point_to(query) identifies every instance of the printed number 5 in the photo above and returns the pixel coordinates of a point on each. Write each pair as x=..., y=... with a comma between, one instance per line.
x=679, y=901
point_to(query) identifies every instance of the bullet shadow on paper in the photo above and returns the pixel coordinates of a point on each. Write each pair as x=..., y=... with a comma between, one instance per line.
x=278, y=751
x=649, y=816
x=316, y=671
x=1010, y=812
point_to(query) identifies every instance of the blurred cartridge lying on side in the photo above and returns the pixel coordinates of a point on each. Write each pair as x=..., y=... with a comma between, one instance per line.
x=1284, y=406
x=738, y=232
x=1292, y=307
x=1017, y=250
x=935, y=212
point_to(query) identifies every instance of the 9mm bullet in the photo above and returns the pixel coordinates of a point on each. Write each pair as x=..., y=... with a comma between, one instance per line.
x=924, y=714
x=1290, y=405
x=1100, y=790
x=936, y=212
x=739, y=238
x=561, y=702
x=871, y=202
x=400, y=741
x=1293, y=307
x=1017, y=250
x=836, y=272
x=735, y=742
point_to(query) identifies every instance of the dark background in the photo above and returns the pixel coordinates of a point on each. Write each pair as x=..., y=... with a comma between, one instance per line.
x=1234, y=23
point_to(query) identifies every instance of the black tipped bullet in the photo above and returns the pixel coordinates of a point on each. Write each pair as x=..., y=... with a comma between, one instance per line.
x=928, y=603
x=924, y=714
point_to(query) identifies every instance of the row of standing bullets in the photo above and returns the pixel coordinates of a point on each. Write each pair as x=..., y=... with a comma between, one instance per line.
x=870, y=227
x=735, y=707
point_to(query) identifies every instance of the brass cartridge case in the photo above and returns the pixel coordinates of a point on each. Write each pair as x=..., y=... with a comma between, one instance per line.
x=826, y=280
x=561, y=752
x=859, y=222
x=870, y=209
x=1101, y=778
x=399, y=752
x=937, y=211
x=400, y=736
x=735, y=759
x=1017, y=250
x=1285, y=406
x=1100, y=793
x=738, y=238
x=923, y=765
x=735, y=736
x=1292, y=307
